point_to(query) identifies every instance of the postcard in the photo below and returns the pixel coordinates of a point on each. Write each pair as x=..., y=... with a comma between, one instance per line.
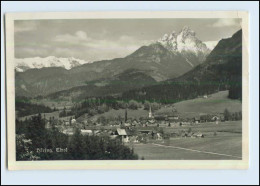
x=127, y=90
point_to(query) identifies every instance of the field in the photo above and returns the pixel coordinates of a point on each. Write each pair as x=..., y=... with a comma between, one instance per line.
x=226, y=144
x=214, y=103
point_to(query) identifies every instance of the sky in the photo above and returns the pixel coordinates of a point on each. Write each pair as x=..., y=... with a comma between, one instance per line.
x=98, y=39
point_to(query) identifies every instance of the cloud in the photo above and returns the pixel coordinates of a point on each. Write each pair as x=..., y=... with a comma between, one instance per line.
x=77, y=37
x=80, y=45
x=95, y=49
x=25, y=26
x=226, y=22
x=109, y=49
x=31, y=51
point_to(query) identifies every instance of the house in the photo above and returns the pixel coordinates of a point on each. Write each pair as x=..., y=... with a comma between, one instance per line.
x=150, y=121
x=69, y=131
x=124, y=136
x=97, y=132
x=215, y=118
x=159, y=136
x=48, y=125
x=172, y=117
x=127, y=124
x=198, y=135
x=196, y=120
x=134, y=123
x=73, y=121
x=86, y=132
x=122, y=133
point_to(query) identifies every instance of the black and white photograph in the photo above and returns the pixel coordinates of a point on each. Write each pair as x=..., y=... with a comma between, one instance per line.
x=140, y=89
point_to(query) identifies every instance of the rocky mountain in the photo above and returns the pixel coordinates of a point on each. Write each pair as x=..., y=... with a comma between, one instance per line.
x=186, y=43
x=23, y=64
x=222, y=70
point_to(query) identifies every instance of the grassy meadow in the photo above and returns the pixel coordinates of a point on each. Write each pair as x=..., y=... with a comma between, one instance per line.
x=226, y=144
x=215, y=103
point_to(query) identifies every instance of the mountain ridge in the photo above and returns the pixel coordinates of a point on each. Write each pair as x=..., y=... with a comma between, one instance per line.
x=23, y=64
x=155, y=60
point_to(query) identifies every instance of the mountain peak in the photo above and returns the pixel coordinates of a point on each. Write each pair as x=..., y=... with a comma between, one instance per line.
x=184, y=41
x=188, y=30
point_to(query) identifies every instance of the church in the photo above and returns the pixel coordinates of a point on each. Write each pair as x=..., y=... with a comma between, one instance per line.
x=150, y=115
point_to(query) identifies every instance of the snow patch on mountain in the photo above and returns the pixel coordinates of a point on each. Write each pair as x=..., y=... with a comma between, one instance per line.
x=184, y=41
x=189, y=62
x=23, y=64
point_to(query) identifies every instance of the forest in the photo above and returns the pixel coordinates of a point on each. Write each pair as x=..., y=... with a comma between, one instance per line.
x=31, y=135
x=25, y=108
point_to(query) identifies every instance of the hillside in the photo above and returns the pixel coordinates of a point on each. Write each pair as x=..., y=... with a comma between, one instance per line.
x=223, y=64
x=129, y=79
x=25, y=108
x=213, y=104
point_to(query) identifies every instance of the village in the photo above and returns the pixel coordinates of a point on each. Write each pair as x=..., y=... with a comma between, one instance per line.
x=142, y=130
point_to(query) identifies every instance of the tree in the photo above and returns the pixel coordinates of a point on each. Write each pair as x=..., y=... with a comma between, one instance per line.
x=70, y=121
x=125, y=115
x=134, y=105
x=23, y=149
x=146, y=105
x=227, y=115
x=79, y=147
x=76, y=147
x=102, y=120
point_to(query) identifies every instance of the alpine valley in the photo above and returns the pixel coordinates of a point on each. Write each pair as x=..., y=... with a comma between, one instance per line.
x=176, y=98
